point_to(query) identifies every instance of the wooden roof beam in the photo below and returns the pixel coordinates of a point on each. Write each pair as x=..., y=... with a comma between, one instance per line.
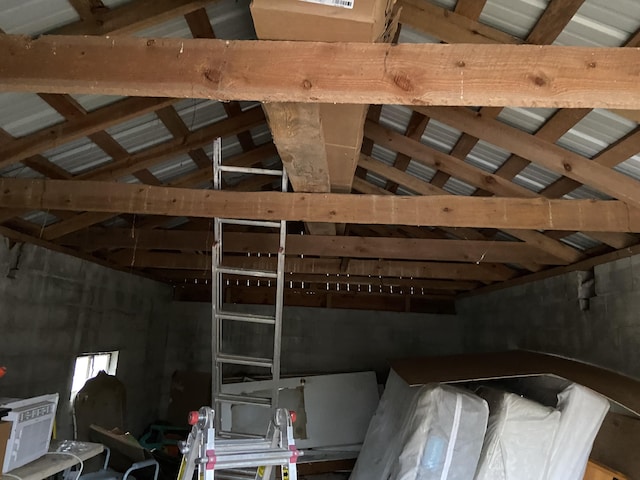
x=451, y=211
x=410, y=74
x=316, y=245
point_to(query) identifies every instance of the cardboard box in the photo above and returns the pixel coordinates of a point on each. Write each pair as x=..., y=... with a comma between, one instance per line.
x=368, y=21
x=623, y=392
x=595, y=471
x=5, y=433
x=312, y=22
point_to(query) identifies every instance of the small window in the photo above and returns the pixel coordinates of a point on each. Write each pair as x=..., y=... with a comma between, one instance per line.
x=88, y=365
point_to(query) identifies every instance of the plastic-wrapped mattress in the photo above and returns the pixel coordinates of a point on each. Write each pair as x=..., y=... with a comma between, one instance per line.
x=423, y=433
x=520, y=438
x=582, y=412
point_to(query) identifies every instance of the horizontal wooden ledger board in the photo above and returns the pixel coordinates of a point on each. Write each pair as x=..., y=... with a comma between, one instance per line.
x=410, y=74
x=449, y=211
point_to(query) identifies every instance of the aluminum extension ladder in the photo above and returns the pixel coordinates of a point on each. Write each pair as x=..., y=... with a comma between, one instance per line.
x=220, y=316
x=203, y=452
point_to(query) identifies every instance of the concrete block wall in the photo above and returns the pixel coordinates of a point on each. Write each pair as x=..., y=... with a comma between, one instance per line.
x=58, y=307
x=546, y=316
x=315, y=340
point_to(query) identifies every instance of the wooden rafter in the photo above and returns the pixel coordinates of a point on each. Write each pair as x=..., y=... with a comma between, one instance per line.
x=130, y=17
x=411, y=74
x=452, y=211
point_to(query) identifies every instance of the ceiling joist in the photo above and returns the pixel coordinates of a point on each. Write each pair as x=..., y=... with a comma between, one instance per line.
x=450, y=211
x=410, y=74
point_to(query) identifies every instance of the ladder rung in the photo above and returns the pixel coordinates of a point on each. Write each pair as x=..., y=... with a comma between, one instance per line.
x=244, y=400
x=246, y=317
x=235, y=436
x=242, y=360
x=250, y=170
x=236, y=475
x=247, y=272
x=250, y=223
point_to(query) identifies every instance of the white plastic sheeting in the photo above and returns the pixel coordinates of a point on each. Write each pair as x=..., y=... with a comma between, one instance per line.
x=423, y=433
x=443, y=435
x=520, y=438
x=582, y=412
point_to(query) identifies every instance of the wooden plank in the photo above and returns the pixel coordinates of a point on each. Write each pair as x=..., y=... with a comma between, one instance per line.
x=51, y=137
x=544, y=153
x=555, y=17
x=412, y=183
x=385, y=268
x=611, y=156
x=586, y=264
x=450, y=27
x=470, y=8
x=131, y=17
x=450, y=211
x=322, y=246
x=298, y=135
x=596, y=471
x=410, y=74
x=417, y=125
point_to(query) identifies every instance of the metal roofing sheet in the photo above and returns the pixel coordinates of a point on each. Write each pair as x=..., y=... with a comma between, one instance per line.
x=458, y=187
x=33, y=17
x=93, y=102
x=140, y=133
x=197, y=113
x=527, y=119
x=602, y=23
x=231, y=19
x=487, y=157
x=516, y=17
x=78, y=156
x=173, y=169
x=580, y=241
x=25, y=113
x=595, y=132
x=535, y=177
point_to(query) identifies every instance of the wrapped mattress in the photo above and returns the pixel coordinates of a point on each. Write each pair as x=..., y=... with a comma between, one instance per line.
x=520, y=438
x=423, y=433
x=582, y=412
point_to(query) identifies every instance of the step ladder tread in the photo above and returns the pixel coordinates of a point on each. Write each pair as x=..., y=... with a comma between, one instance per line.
x=247, y=272
x=246, y=317
x=250, y=223
x=244, y=360
x=252, y=170
x=244, y=399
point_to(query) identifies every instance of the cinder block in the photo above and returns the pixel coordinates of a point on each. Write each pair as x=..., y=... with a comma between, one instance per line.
x=614, y=277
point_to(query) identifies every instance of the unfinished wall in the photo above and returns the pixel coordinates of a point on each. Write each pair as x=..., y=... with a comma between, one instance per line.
x=546, y=316
x=315, y=340
x=58, y=307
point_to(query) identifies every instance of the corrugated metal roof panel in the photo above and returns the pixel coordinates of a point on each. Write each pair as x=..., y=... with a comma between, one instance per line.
x=175, y=28
x=93, y=102
x=78, y=156
x=535, y=177
x=40, y=218
x=25, y=113
x=19, y=170
x=395, y=117
x=34, y=17
x=231, y=19
x=261, y=134
x=376, y=180
x=580, y=241
x=420, y=171
x=602, y=23
x=527, y=119
x=585, y=192
x=409, y=35
x=595, y=132
x=197, y=113
x=140, y=133
x=630, y=167
x=383, y=154
x=458, y=187
x=173, y=169
x=487, y=157
x=516, y=17
x=440, y=136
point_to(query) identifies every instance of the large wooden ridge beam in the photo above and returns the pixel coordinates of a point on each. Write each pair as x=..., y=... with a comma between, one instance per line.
x=447, y=211
x=410, y=74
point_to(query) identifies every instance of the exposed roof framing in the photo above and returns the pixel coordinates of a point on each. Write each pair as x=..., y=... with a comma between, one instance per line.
x=508, y=159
